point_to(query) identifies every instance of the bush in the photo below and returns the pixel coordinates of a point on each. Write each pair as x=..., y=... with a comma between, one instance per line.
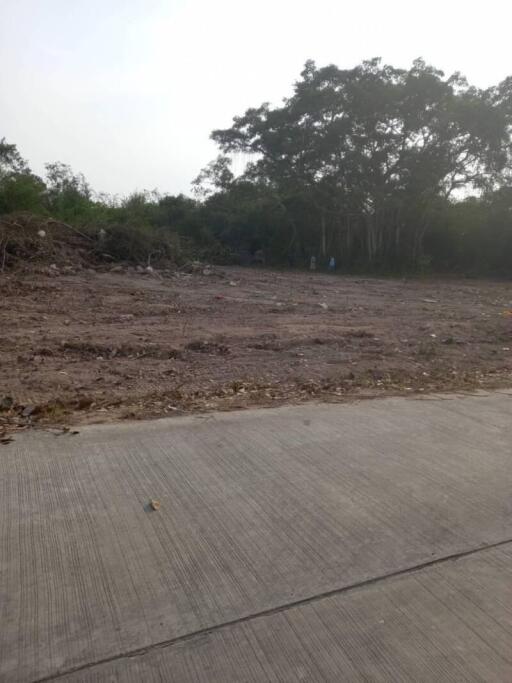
x=138, y=243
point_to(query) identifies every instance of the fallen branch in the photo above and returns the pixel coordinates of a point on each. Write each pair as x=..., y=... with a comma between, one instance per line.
x=69, y=227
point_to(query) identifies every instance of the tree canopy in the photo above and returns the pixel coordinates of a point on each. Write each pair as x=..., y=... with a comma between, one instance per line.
x=372, y=151
x=383, y=168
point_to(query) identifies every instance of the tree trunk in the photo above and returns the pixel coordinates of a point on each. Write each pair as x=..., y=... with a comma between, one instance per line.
x=370, y=238
x=348, y=242
x=323, y=247
x=419, y=235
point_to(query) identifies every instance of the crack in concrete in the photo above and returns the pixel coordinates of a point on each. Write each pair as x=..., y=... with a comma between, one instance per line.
x=272, y=610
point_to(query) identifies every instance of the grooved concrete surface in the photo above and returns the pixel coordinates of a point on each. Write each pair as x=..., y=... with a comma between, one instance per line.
x=261, y=510
x=451, y=622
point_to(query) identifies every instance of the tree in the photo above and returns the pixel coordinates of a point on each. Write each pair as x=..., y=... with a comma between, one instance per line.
x=20, y=189
x=68, y=194
x=217, y=175
x=371, y=149
x=11, y=161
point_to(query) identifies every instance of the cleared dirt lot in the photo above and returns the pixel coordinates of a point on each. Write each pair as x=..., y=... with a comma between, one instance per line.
x=101, y=346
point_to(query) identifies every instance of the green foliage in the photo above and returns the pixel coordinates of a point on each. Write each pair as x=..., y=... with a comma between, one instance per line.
x=371, y=151
x=474, y=236
x=384, y=168
x=68, y=195
x=20, y=189
x=216, y=176
x=11, y=161
x=138, y=243
x=21, y=192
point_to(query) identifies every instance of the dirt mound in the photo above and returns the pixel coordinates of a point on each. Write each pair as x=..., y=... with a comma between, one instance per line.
x=27, y=241
x=30, y=243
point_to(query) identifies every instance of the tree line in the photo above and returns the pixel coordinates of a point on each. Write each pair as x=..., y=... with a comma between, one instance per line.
x=384, y=169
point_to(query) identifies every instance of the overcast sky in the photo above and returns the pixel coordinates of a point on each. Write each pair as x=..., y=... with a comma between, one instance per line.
x=128, y=91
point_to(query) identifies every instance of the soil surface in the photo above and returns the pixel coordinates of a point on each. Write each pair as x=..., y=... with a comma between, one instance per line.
x=100, y=346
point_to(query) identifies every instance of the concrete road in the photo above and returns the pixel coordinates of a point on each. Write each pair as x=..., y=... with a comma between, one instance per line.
x=370, y=541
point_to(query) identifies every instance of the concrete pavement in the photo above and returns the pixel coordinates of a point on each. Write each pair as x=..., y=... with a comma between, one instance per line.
x=323, y=542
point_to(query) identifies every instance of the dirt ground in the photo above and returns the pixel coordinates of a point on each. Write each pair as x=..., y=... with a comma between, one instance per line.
x=100, y=346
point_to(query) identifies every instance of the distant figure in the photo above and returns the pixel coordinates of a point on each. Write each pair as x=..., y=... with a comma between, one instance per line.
x=332, y=264
x=312, y=263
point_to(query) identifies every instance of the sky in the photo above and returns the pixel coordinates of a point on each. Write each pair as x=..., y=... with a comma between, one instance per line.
x=128, y=91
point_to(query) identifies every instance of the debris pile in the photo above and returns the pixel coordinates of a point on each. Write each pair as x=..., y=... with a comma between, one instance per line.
x=27, y=240
x=31, y=243
x=15, y=416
